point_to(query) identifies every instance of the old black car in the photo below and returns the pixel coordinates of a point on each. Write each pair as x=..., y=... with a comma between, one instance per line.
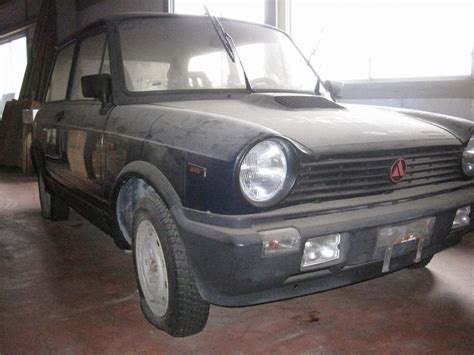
x=214, y=151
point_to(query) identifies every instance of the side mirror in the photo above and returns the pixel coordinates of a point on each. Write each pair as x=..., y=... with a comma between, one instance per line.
x=98, y=86
x=335, y=88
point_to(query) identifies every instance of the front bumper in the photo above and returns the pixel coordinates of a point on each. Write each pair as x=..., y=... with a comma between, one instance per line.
x=226, y=251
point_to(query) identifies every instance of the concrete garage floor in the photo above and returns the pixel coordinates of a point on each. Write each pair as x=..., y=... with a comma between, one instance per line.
x=66, y=288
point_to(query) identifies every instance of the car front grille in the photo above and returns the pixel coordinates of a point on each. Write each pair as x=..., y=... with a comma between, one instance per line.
x=350, y=175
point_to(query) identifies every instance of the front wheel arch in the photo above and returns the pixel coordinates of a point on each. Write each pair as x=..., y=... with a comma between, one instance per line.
x=132, y=183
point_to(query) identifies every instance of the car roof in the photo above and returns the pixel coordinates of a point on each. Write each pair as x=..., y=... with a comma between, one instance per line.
x=114, y=19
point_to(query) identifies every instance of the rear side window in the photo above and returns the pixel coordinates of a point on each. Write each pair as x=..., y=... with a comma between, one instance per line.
x=90, y=61
x=60, y=76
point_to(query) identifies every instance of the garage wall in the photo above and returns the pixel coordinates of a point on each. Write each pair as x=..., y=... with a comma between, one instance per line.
x=14, y=14
x=18, y=17
x=72, y=14
x=448, y=96
x=17, y=14
x=66, y=12
x=91, y=10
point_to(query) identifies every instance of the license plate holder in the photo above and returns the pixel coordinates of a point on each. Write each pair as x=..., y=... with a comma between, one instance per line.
x=390, y=237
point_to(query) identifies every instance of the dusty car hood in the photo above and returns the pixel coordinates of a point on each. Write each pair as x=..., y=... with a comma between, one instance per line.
x=326, y=129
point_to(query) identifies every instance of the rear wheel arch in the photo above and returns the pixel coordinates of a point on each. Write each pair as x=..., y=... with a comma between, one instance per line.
x=136, y=180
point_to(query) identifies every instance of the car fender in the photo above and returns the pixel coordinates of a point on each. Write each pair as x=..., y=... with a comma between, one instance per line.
x=152, y=176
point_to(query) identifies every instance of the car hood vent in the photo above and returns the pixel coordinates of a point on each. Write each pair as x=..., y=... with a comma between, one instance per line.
x=306, y=102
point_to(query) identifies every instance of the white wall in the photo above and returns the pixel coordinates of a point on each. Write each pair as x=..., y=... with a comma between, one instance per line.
x=449, y=96
x=454, y=107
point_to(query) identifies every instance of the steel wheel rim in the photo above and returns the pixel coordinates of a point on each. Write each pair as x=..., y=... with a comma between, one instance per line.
x=45, y=197
x=151, y=268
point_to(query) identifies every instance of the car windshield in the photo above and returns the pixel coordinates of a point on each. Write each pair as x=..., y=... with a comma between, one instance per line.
x=185, y=53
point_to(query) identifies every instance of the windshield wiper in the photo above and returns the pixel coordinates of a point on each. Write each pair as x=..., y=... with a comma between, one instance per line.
x=228, y=44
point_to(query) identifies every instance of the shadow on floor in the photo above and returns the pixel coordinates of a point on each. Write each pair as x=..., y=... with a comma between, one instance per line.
x=66, y=288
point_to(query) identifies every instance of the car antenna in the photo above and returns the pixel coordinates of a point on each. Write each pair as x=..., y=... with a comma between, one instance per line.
x=317, y=89
x=228, y=44
x=316, y=46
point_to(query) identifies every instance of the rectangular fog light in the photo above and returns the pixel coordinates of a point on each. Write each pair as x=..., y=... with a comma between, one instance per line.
x=321, y=250
x=280, y=241
x=463, y=217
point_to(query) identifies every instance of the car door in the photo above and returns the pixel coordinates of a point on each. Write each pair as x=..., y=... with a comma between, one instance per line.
x=53, y=111
x=83, y=125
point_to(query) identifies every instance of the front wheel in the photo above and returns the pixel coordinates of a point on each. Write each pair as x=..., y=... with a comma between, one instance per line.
x=52, y=207
x=169, y=297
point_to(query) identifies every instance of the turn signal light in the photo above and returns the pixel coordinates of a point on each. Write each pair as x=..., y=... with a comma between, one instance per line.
x=280, y=241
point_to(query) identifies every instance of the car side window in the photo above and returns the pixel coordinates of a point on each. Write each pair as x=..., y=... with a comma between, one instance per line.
x=90, y=61
x=60, y=77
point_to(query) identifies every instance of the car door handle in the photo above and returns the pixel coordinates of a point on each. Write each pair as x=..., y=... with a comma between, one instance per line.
x=59, y=116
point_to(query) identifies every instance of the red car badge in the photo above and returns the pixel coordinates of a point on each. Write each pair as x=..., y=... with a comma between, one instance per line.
x=398, y=171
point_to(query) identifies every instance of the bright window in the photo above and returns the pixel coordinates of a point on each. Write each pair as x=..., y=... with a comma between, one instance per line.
x=248, y=10
x=13, y=60
x=368, y=39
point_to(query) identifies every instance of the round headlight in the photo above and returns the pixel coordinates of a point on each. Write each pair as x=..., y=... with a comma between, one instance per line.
x=263, y=172
x=468, y=159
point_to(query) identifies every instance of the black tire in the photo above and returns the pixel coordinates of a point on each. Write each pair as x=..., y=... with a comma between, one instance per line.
x=52, y=207
x=422, y=263
x=186, y=313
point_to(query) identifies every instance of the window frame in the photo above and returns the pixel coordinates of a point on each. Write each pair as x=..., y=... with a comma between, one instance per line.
x=163, y=95
x=189, y=94
x=53, y=66
x=120, y=95
x=76, y=41
x=77, y=50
